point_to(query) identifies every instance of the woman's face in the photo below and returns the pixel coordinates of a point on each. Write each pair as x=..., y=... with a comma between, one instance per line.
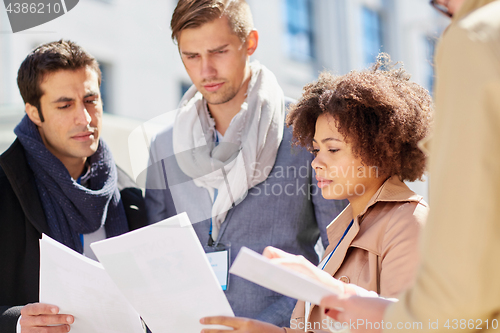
x=340, y=174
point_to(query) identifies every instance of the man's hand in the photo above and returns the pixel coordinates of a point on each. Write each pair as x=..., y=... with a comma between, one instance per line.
x=357, y=309
x=240, y=325
x=40, y=317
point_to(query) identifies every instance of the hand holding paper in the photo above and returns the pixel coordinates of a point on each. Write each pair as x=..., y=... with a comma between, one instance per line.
x=36, y=316
x=291, y=275
x=159, y=271
x=369, y=308
x=164, y=273
x=303, y=266
x=263, y=271
x=79, y=286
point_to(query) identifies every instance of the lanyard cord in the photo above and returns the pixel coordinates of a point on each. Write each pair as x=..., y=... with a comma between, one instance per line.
x=345, y=233
x=210, y=239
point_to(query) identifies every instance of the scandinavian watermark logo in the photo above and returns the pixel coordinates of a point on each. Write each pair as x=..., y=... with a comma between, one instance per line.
x=26, y=14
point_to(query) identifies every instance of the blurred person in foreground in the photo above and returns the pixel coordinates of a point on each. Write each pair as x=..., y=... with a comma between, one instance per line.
x=457, y=285
x=228, y=162
x=57, y=178
x=363, y=129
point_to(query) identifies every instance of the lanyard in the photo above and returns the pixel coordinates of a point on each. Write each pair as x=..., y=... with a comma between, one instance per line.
x=345, y=233
x=210, y=239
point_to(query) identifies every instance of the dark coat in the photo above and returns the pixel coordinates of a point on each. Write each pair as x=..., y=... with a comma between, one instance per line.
x=22, y=222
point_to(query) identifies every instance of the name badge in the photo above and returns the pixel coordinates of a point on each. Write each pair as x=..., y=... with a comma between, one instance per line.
x=219, y=257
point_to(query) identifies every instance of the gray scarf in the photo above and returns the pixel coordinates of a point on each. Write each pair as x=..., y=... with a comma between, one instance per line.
x=246, y=155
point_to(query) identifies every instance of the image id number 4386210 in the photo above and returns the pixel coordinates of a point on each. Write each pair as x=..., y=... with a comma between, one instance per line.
x=34, y=8
x=477, y=324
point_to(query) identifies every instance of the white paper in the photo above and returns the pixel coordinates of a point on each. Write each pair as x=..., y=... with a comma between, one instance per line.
x=260, y=270
x=164, y=273
x=79, y=286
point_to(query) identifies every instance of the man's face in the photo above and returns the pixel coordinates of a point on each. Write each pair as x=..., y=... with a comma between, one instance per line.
x=72, y=109
x=215, y=60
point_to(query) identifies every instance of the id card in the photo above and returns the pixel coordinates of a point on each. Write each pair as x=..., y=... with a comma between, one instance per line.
x=219, y=257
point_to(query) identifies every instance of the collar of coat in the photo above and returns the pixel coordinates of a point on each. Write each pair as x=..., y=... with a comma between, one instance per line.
x=392, y=190
x=14, y=164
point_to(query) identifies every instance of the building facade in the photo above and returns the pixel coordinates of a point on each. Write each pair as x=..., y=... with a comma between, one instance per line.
x=143, y=76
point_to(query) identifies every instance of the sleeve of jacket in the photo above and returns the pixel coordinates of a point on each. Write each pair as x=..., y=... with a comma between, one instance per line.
x=8, y=318
x=459, y=275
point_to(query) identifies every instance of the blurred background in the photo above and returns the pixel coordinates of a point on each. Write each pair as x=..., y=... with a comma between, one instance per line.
x=143, y=76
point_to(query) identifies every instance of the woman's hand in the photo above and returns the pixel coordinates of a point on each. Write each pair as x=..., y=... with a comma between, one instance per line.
x=358, y=311
x=304, y=266
x=240, y=325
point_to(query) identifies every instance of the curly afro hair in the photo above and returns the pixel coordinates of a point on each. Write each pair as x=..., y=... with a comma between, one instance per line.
x=380, y=113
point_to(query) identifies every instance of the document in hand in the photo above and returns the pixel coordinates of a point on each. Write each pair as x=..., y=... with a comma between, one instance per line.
x=164, y=273
x=79, y=286
x=260, y=270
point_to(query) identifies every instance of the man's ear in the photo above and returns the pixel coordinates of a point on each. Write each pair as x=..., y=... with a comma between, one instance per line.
x=33, y=114
x=252, y=42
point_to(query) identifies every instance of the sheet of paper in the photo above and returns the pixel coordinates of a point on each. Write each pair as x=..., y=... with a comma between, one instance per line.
x=260, y=270
x=164, y=273
x=79, y=286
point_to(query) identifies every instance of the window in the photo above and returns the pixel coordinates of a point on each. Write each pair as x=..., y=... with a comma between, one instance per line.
x=298, y=32
x=372, y=35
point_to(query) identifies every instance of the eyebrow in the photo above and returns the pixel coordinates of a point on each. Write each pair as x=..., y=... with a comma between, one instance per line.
x=209, y=51
x=328, y=139
x=91, y=94
x=64, y=99
x=218, y=48
x=189, y=53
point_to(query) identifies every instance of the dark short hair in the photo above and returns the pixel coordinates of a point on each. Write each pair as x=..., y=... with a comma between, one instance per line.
x=195, y=13
x=378, y=111
x=49, y=58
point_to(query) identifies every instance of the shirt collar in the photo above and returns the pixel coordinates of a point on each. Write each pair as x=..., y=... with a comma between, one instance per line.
x=392, y=190
x=84, y=179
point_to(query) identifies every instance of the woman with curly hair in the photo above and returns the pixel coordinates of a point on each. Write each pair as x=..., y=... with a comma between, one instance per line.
x=363, y=129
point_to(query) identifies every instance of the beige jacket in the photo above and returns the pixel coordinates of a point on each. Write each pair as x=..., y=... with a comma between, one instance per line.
x=380, y=251
x=458, y=285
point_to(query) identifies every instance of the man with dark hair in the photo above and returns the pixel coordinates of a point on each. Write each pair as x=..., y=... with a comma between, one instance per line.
x=227, y=161
x=57, y=178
